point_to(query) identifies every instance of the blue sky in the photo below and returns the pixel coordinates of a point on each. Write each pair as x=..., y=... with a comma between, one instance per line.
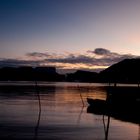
x=68, y=28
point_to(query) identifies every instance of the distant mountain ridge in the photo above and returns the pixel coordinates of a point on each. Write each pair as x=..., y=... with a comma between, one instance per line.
x=126, y=71
x=82, y=76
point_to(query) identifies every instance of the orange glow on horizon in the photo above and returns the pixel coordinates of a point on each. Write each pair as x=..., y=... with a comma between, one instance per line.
x=74, y=66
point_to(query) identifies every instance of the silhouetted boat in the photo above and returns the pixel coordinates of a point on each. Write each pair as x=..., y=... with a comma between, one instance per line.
x=125, y=111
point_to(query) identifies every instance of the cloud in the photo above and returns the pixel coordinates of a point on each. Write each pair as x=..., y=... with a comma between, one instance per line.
x=37, y=55
x=72, y=59
x=106, y=53
x=108, y=58
x=89, y=60
x=100, y=51
x=16, y=63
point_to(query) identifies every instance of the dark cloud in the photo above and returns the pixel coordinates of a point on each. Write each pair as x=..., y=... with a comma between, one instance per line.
x=105, y=53
x=100, y=51
x=16, y=62
x=37, y=54
x=72, y=59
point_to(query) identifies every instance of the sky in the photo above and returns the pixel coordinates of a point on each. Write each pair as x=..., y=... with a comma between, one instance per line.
x=69, y=34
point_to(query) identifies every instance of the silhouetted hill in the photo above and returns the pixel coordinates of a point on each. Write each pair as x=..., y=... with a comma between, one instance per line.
x=126, y=71
x=82, y=76
x=30, y=74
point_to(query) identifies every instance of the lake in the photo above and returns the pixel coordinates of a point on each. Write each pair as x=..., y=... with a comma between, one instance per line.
x=57, y=111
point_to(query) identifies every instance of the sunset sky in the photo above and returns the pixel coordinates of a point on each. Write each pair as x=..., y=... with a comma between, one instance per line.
x=69, y=34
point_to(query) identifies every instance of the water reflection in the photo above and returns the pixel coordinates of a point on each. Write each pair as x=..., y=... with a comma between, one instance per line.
x=106, y=127
x=55, y=111
x=39, y=111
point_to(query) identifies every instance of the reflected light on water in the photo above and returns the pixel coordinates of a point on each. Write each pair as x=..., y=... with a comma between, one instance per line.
x=62, y=115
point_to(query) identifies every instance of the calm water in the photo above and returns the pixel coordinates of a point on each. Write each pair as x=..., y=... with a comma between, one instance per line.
x=61, y=114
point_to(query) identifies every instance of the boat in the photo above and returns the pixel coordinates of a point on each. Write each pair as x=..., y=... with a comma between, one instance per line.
x=125, y=111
